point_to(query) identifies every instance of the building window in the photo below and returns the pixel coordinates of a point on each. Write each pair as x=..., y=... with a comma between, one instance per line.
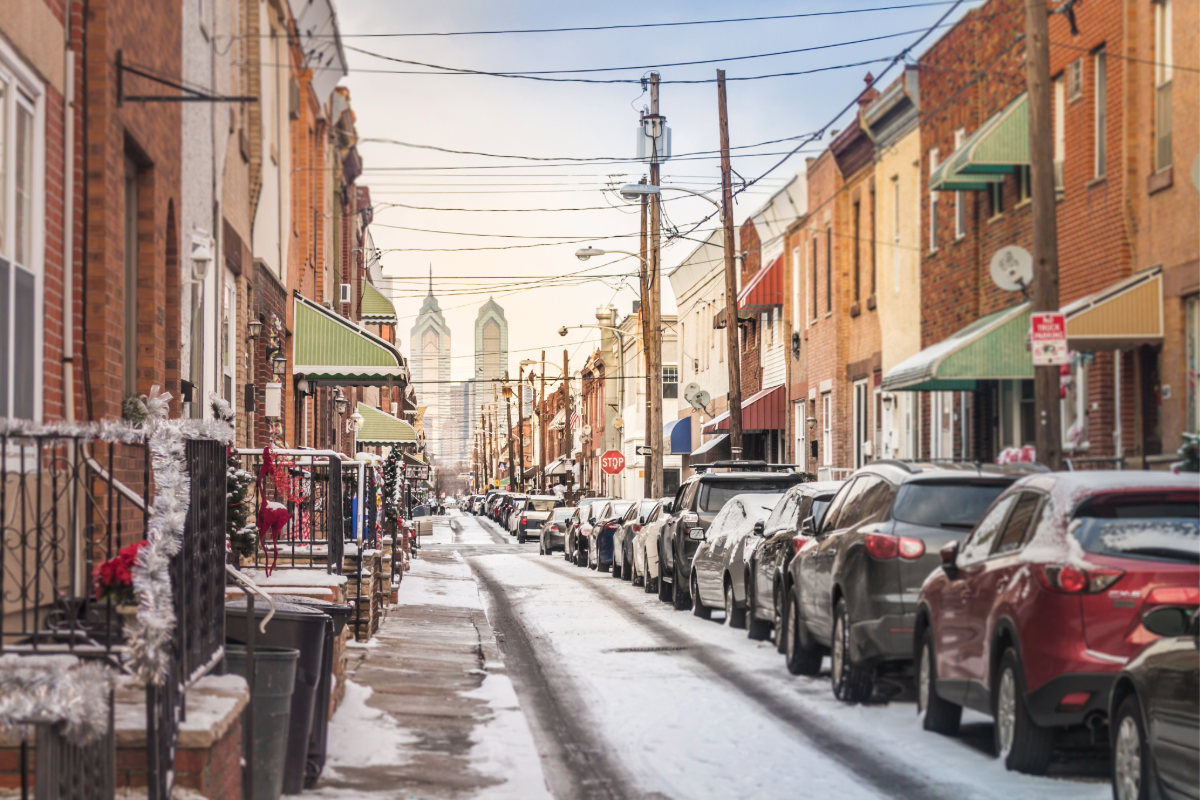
x=131, y=274
x=1075, y=80
x=857, y=251
x=933, y=204
x=1074, y=409
x=1101, y=112
x=1024, y=191
x=670, y=378
x=828, y=270
x=20, y=249
x=861, y=422
x=896, y=229
x=960, y=211
x=228, y=328
x=797, y=272
x=800, y=457
x=827, y=429
x=995, y=193
x=1060, y=135
x=814, y=279
x=1163, y=54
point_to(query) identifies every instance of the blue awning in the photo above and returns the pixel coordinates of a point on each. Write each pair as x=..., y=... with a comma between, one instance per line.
x=677, y=435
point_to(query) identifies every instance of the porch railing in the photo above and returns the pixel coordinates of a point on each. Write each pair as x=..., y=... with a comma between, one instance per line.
x=313, y=535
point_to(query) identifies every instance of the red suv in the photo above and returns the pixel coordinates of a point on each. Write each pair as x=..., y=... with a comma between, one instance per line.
x=1032, y=617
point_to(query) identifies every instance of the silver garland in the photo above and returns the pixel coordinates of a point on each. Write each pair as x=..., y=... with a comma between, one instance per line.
x=55, y=689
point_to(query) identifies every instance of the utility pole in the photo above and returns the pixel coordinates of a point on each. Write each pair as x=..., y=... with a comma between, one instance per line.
x=521, y=428
x=1048, y=438
x=654, y=343
x=508, y=425
x=567, y=449
x=483, y=441
x=542, y=426
x=648, y=474
x=731, y=309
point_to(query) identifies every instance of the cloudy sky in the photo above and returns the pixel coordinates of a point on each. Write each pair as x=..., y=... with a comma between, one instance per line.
x=478, y=195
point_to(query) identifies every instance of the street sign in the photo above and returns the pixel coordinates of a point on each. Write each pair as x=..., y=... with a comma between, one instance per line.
x=642, y=449
x=1048, y=337
x=416, y=472
x=612, y=462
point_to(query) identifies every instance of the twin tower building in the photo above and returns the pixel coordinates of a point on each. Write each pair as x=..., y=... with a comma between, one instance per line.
x=453, y=408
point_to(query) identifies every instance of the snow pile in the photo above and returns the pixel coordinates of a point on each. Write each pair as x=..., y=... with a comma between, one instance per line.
x=502, y=747
x=361, y=736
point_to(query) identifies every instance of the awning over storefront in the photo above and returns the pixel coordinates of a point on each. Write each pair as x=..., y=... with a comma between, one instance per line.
x=764, y=291
x=999, y=146
x=559, y=466
x=329, y=347
x=677, y=436
x=715, y=449
x=380, y=428
x=990, y=348
x=559, y=420
x=762, y=412
x=376, y=309
x=1126, y=314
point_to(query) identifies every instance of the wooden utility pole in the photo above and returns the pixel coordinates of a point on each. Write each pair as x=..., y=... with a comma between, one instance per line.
x=1048, y=438
x=648, y=474
x=654, y=341
x=495, y=431
x=508, y=425
x=521, y=428
x=566, y=393
x=542, y=426
x=483, y=438
x=731, y=309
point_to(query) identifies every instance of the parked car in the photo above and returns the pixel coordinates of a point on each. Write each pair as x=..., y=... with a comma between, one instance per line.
x=554, y=530
x=578, y=528
x=599, y=541
x=535, y=510
x=645, y=548
x=513, y=513
x=505, y=509
x=1032, y=617
x=768, y=562
x=1154, y=708
x=719, y=565
x=493, y=505
x=631, y=523
x=853, y=590
x=696, y=504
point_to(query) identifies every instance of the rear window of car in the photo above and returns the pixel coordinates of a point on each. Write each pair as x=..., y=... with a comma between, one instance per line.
x=563, y=513
x=1160, y=528
x=957, y=505
x=714, y=496
x=817, y=510
x=619, y=509
x=548, y=504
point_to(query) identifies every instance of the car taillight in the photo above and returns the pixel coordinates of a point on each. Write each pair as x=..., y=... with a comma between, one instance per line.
x=1174, y=596
x=1074, y=700
x=883, y=547
x=1068, y=579
x=524, y=520
x=798, y=542
x=636, y=528
x=553, y=527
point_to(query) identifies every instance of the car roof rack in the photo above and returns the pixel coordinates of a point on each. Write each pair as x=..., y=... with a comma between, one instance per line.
x=746, y=466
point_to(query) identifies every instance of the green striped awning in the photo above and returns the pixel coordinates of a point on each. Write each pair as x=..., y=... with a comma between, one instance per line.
x=999, y=146
x=991, y=348
x=328, y=347
x=376, y=309
x=380, y=428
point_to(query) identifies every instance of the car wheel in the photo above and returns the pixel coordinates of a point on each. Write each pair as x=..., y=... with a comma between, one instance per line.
x=698, y=608
x=592, y=562
x=680, y=599
x=566, y=551
x=627, y=566
x=756, y=629
x=781, y=621
x=616, y=568
x=734, y=617
x=666, y=591
x=803, y=657
x=521, y=537
x=851, y=682
x=1020, y=743
x=937, y=713
x=1131, y=767
x=541, y=548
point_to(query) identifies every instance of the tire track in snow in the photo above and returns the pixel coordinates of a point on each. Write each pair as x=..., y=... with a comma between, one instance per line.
x=890, y=778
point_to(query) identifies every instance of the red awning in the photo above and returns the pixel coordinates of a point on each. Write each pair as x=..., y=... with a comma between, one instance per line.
x=763, y=412
x=765, y=290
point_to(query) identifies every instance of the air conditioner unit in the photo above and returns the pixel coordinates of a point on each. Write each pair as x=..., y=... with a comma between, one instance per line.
x=345, y=293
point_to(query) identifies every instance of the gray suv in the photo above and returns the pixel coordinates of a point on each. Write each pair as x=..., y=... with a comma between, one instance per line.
x=696, y=504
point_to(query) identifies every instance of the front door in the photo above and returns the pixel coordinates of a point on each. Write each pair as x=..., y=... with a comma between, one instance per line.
x=862, y=430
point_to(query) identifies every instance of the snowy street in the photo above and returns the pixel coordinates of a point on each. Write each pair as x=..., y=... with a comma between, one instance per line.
x=619, y=696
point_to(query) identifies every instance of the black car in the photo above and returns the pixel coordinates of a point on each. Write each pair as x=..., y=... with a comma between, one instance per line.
x=599, y=540
x=631, y=523
x=553, y=535
x=853, y=589
x=575, y=547
x=768, y=563
x=1155, y=712
x=695, y=506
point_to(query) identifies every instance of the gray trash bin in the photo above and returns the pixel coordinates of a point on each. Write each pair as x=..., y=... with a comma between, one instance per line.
x=301, y=628
x=274, y=677
x=319, y=736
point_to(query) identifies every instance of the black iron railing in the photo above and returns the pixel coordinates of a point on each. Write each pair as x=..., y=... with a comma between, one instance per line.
x=312, y=537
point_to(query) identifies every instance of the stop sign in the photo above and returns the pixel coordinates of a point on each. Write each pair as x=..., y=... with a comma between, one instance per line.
x=612, y=462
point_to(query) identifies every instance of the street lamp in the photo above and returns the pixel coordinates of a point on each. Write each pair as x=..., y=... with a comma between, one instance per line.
x=636, y=191
x=356, y=419
x=587, y=252
x=278, y=363
x=254, y=328
x=341, y=403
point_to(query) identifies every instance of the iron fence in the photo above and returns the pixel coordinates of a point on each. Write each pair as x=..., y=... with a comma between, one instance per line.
x=309, y=484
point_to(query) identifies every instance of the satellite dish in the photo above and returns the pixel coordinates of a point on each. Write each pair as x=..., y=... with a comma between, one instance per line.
x=1012, y=268
x=700, y=400
x=587, y=430
x=525, y=442
x=690, y=391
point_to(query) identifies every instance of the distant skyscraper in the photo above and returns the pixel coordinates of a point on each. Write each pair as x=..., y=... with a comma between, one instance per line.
x=491, y=353
x=429, y=359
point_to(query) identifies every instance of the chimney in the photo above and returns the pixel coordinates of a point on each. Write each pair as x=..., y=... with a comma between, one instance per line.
x=869, y=94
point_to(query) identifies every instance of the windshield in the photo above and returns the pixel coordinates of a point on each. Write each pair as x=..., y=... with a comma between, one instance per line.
x=547, y=504
x=1158, y=528
x=714, y=496
x=945, y=505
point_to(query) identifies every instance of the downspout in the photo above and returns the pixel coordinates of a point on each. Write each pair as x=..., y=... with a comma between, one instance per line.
x=68, y=234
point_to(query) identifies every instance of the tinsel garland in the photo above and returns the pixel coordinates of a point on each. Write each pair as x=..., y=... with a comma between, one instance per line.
x=55, y=689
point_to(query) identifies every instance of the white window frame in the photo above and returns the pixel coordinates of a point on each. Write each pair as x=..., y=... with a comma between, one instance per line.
x=1075, y=407
x=896, y=229
x=1100, y=71
x=797, y=272
x=960, y=211
x=861, y=412
x=20, y=85
x=933, y=204
x=1163, y=72
x=827, y=429
x=800, y=456
x=1060, y=132
x=230, y=321
x=1075, y=80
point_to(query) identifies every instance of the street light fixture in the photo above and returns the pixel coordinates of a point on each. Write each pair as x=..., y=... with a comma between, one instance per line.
x=587, y=252
x=278, y=363
x=254, y=328
x=636, y=191
x=341, y=403
x=356, y=419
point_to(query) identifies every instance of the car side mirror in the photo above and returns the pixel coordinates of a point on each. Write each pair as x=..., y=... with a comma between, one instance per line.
x=696, y=534
x=809, y=526
x=667, y=507
x=759, y=528
x=641, y=520
x=1169, y=621
x=949, y=554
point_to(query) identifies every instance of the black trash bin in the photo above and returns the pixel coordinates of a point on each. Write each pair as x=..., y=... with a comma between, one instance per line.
x=274, y=680
x=302, y=628
x=319, y=737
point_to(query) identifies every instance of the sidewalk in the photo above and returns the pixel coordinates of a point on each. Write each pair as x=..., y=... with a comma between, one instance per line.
x=429, y=712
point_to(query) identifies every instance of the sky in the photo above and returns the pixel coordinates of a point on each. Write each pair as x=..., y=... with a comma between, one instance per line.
x=476, y=196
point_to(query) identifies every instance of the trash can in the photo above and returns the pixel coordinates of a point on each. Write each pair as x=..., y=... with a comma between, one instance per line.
x=319, y=736
x=274, y=678
x=301, y=628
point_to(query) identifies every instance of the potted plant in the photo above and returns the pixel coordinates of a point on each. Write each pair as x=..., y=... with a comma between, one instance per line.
x=114, y=581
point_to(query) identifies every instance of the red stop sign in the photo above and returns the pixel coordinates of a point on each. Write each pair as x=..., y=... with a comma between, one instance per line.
x=612, y=462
